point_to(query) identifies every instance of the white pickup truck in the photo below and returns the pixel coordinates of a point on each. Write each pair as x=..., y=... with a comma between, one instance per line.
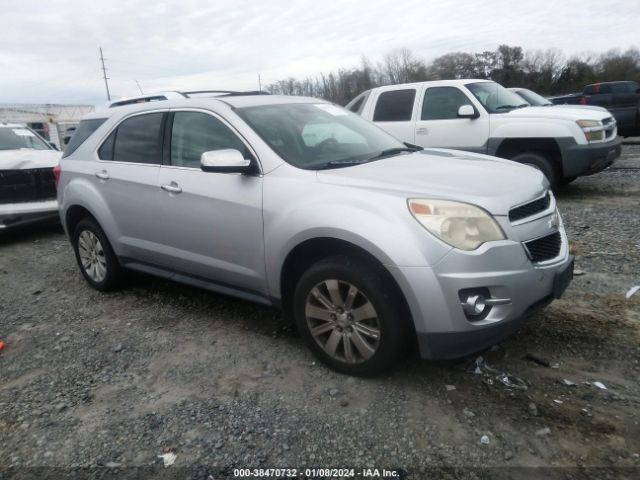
x=482, y=116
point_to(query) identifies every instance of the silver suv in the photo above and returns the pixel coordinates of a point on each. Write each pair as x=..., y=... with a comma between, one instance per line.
x=369, y=245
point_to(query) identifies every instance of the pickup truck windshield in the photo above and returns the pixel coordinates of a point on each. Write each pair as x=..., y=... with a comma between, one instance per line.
x=533, y=98
x=15, y=138
x=316, y=136
x=495, y=98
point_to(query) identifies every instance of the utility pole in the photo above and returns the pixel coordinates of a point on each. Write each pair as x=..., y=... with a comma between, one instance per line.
x=259, y=83
x=139, y=88
x=104, y=75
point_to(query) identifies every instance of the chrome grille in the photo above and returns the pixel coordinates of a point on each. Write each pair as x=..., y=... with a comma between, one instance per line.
x=530, y=209
x=544, y=248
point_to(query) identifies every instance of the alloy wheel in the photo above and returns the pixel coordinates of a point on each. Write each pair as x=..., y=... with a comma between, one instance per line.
x=92, y=256
x=342, y=321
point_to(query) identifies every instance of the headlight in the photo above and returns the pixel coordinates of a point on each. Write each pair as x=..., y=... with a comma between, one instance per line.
x=461, y=225
x=593, y=130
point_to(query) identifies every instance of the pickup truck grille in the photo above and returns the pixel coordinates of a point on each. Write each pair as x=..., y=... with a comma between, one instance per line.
x=544, y=248
x=19, y=186
x=530, y=209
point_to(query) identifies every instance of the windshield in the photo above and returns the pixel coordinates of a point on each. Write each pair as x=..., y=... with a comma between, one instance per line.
x=314, y=136
x=533, y=98
x=495, y=98
x=15, y=138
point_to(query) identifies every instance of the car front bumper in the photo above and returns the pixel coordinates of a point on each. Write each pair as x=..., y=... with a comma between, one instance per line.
x=17, y=214
x=587, y=159
x=502, y=268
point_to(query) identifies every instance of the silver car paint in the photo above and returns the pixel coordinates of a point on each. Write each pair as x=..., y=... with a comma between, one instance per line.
x=238, y=230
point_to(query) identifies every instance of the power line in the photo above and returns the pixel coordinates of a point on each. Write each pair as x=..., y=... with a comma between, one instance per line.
x=104, y=75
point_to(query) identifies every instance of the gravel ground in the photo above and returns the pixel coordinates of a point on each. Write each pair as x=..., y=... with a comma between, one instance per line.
x=111, y=381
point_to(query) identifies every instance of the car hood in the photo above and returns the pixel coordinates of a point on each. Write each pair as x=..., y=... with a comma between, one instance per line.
x=584, y=107
x=27, y=158
x=489, y=182
x=568, y=112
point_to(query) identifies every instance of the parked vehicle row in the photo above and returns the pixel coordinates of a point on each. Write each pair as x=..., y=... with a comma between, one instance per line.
x=483, y=117
x=622, y=99
x=368, y=244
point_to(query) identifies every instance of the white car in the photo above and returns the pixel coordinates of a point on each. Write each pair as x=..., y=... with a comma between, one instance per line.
x=27, y=179
x=484, y=117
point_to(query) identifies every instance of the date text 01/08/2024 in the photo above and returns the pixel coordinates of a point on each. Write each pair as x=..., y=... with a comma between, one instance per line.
x=317, y=473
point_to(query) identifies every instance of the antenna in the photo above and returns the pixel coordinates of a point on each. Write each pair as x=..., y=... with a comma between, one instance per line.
x=104, y=75
x=139, y=88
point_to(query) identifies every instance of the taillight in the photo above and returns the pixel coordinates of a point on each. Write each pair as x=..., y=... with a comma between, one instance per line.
x=583, y=100
x=57, y=170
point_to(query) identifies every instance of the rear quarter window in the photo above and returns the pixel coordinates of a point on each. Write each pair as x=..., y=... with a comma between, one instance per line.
x=395, y=106
x=84, y=131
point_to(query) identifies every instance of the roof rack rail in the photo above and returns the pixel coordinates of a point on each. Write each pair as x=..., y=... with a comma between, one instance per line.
x=154, y=97
x=225, y=93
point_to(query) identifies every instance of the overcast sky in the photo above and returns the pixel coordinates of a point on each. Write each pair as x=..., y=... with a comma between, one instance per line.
x=49, y=49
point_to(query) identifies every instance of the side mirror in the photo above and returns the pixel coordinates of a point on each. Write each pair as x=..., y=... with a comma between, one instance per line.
x=225, y=161
x=467, y=111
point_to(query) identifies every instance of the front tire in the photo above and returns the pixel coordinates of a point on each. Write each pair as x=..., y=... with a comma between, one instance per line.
x=548, y=168
x=349, y=316
x=95, y=257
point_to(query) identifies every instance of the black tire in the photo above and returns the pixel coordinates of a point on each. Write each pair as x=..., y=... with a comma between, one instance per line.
x=391, y=317
x=567, y=180
x=113, y=274
x=544, y=164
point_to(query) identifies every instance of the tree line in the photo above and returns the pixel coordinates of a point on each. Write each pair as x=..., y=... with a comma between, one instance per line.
x=547, y=72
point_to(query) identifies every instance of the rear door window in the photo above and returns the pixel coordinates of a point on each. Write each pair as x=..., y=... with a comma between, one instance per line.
x=84, y=131
x=137, y=140
x=395, y=106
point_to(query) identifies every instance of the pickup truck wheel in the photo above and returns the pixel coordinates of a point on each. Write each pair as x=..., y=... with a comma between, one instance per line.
x=348, y=318
x=94, y=255
x=542, y=163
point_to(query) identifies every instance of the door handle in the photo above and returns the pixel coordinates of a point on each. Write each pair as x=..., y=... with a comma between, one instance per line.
x=172, y=187
x=102, y=175
x=422, y=131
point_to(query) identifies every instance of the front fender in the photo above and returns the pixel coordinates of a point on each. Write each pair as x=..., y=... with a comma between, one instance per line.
x=380, y=225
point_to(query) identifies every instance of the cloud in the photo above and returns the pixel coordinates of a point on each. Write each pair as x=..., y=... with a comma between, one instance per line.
x=49, y=50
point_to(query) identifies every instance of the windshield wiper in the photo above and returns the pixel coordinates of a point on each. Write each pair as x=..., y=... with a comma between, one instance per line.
x=511, y=107
x=394, y=151
x=384, y=153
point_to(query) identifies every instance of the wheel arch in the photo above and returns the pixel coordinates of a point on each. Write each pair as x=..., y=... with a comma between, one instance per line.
x=312, y=250
x=510, y=147
x=74, y=214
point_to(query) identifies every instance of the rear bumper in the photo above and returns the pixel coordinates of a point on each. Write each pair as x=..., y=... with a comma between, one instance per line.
x=578, y=160
x=17, y=214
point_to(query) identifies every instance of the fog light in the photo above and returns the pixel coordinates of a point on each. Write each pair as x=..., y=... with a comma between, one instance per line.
x=474, y=305
x=477, y=302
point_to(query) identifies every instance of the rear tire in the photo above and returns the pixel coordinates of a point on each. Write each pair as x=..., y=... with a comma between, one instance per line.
x=349, y=317
x=542, y=163
x=95, y=257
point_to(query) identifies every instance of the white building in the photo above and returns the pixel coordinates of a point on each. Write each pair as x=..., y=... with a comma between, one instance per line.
x=51, y=121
